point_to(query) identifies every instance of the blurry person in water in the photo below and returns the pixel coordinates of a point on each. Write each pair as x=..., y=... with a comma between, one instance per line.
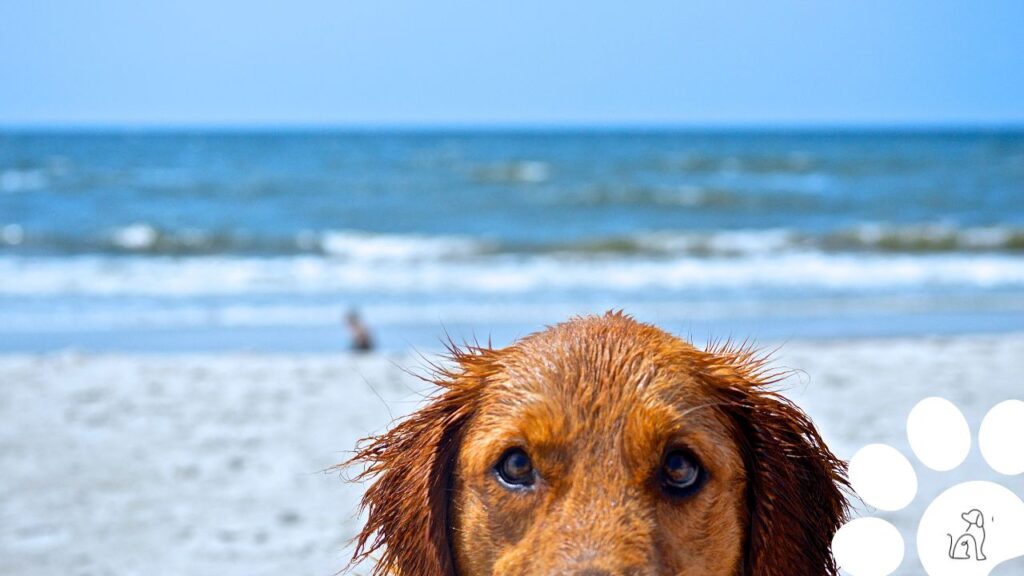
x=361, y=339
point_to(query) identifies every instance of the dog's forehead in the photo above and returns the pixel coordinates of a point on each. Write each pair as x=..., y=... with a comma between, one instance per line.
x=613, y=355
x=615, y=383
x=596, y=367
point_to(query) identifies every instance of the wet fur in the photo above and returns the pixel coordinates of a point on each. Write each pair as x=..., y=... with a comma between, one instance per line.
x=779, y=497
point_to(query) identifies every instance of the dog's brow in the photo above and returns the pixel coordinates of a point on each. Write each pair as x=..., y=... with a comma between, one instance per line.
x=706, y=405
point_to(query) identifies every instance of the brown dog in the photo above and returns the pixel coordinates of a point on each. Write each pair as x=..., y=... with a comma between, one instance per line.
x=602, y=447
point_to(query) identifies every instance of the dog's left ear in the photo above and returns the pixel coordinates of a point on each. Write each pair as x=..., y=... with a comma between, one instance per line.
x=406, y=530
x=795, y=484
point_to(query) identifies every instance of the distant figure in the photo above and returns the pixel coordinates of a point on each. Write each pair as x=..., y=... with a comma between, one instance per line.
x=361, y=340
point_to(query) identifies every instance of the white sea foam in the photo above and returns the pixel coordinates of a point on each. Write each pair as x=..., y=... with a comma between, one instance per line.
x=933, y=237
x=136, y=236
x=737, y=242
x=527, y=172
x=869, y=237
x=367, y=246
x=12, y=234
x=363, y=246
x=14, y=180
x=214, y=275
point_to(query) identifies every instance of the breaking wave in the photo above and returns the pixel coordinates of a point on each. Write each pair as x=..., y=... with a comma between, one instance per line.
x=214, y=275
x=147, y=239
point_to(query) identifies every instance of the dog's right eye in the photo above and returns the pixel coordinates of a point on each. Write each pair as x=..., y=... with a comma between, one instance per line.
x=515, y=469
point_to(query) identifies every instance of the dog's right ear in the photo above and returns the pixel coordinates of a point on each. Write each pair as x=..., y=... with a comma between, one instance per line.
x=411, y=466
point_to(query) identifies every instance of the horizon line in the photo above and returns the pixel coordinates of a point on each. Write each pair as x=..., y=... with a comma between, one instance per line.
x=526, y=127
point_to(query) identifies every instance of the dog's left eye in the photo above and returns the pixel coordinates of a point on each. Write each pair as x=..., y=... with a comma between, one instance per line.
x=515, y=469
x=681, y=473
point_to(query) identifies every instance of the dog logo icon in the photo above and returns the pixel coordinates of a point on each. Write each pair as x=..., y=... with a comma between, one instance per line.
x=971, y=543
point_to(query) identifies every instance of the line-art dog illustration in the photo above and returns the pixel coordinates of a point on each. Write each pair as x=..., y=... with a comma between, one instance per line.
x=971, y=543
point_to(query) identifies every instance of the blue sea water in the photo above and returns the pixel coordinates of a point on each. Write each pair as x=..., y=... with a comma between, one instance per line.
x=224, y=240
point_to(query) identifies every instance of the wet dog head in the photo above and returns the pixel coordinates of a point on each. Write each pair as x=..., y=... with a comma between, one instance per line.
x=602, y=446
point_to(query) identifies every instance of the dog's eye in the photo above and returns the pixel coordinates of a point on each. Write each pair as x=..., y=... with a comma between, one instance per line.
x=681, y=473
x=515, y=469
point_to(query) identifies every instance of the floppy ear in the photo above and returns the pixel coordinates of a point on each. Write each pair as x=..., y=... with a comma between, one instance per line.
x=411, y=468
x=795, y=484
x=977, y=518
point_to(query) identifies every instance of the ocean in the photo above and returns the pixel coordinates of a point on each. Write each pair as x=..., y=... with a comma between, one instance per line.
x=210, y=241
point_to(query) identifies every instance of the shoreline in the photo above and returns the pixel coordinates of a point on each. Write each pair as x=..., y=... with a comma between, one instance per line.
x=401, y=339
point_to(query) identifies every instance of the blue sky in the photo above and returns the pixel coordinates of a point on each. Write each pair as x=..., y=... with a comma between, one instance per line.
x=411, y=62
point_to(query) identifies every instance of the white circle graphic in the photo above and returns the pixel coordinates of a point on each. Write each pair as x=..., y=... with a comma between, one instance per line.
x=868, y=547
x=883, y=477
x=1001, y=437
x=938, y=434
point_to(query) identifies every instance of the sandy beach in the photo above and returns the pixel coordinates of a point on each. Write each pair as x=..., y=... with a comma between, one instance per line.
x=207, y=464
